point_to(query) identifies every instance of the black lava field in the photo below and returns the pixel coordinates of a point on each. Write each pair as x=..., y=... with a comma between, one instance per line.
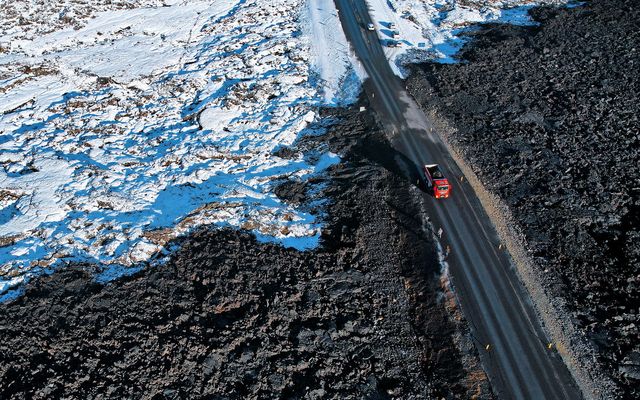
x=230, y=318
x=548, y=117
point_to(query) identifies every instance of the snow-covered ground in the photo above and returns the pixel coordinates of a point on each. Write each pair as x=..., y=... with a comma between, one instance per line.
x=124, y=128
x=27, y=19
x=430, y=29
x=336, y=68
x=128, y=123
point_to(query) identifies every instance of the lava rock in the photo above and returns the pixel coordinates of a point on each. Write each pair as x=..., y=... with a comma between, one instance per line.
x=548, y=117
x=228, y=317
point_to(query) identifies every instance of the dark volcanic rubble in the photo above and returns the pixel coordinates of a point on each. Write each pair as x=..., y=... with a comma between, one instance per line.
x=230, y=318
x=548, y=117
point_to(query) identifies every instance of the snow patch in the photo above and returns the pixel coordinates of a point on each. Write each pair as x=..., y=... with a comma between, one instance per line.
x=430, y=30
x=140, y=125
x=339, y=73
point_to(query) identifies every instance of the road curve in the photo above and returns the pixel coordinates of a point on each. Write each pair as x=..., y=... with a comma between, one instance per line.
x=518, y=362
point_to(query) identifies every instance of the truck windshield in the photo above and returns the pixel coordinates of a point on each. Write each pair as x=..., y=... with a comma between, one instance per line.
x=443, y=188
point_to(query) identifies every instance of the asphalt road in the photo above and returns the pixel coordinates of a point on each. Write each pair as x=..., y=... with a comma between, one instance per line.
x=498, y=308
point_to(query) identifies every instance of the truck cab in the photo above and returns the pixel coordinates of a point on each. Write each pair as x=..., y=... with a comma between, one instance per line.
x=436, y=181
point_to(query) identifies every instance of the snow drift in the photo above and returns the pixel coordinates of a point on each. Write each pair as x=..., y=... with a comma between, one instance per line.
x=132, y=127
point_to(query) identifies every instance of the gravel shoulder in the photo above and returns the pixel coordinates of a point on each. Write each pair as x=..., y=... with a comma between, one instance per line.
x=547, y=118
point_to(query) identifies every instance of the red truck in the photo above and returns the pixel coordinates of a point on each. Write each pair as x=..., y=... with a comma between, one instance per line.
x=436, y=181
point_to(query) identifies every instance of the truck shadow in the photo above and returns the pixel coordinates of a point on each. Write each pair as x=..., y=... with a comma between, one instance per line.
x=377, y=149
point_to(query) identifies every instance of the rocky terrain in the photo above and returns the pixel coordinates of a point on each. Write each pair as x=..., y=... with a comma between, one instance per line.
x=24, y=20
x=547, y=115
x=104, y=128
x=367, y=315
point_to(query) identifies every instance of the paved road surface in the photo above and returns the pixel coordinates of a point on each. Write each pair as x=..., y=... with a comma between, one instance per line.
x=518, y=363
